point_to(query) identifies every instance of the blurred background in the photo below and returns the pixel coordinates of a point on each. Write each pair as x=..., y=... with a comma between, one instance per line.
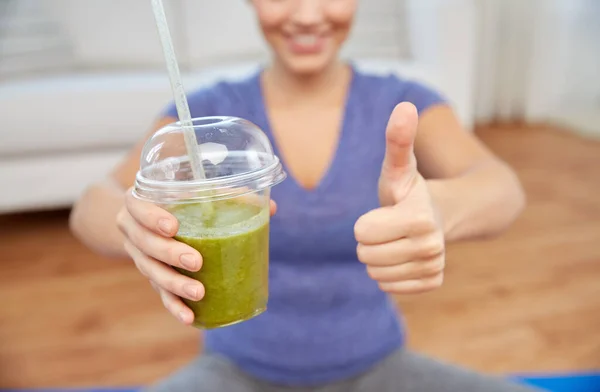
x=82, y=80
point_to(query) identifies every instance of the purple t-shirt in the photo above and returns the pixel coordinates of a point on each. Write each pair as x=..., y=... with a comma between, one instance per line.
x=326, y=319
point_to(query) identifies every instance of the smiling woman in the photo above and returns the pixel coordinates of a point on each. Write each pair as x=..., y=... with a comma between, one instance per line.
x=351, y=142
x=306, y=38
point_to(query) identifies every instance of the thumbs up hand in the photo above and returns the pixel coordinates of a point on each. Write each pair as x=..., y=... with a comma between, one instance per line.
x=402, y=243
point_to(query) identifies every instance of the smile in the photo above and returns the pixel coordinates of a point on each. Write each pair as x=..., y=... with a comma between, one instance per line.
x=306, y=43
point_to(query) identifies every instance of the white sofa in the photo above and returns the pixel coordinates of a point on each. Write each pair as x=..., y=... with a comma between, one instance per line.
x=60, y=132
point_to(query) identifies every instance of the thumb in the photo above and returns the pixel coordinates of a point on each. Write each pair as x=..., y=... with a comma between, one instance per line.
x=400, y=137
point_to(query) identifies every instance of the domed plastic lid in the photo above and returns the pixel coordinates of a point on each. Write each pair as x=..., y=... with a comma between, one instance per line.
x=236, y=156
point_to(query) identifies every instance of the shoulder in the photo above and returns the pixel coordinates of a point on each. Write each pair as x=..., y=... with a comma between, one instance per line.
x=221, y=97
x=394, y=89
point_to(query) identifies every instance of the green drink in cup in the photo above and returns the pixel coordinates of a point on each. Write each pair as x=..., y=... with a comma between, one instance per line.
x=225, y=216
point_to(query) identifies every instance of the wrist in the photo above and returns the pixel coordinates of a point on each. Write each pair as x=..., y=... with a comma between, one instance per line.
x=441, y=198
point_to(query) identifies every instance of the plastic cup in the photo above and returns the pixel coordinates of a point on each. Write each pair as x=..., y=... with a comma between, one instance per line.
x=233, y=234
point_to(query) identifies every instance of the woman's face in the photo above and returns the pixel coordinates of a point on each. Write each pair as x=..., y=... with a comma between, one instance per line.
x=305, y=35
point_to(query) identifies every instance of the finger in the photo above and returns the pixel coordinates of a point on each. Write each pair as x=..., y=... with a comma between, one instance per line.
x=161, y=248
x=387, y=224
x=401, y=251
x=408, y=271
x=416, y=286
x=400, y=137
x=154, y=286
x=151, y=216
x=176, y=307
x=273, y=207
x=164, y=276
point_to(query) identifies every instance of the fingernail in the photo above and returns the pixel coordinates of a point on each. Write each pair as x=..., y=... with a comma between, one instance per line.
x=189, y=261
x=191, y=290
x=165, y=226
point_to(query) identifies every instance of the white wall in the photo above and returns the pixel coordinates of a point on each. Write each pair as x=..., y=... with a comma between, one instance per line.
x=577, y=102
x=31, y=40
x=444, y=37
x=506, y=37
x=107, y=34
x=539, y=60
x=222, y=31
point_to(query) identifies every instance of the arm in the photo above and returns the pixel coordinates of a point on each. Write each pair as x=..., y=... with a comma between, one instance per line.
x=93, y=218
x=476, y=194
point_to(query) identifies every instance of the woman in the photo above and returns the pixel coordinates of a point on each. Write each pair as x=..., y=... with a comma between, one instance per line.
x=330, y=324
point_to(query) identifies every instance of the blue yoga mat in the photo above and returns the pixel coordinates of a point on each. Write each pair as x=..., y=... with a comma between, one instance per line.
x=582, y=382
x=589, y=382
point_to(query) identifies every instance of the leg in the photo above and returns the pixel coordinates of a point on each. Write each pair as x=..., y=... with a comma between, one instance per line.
x=405, y=371
x=207, y=373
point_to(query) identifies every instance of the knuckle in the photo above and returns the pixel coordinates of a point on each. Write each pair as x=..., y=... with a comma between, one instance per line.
x=120, y=218
x=359, y=230
x=130, y=200
x=138, y=260
x=435, y=282
x=395, y=288
x=128, y=247
x=433, y=246
x=167, y=303
x=363, y=227
x=423, y=223
x=151, y=216
x=173, y=309
x=172, y=254
x=173, y=286
x=154, y=286
x=141, y=211
x=362, y=253
x=129, y=195
x=139, y=264
x=393, y=136
x=141, y=267
x=170, y=306
x=434, y=267
x=387, y=289
x=138, y=237
x=373, y=273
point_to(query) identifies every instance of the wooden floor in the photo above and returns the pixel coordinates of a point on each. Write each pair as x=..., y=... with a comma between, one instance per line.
x=526, y=302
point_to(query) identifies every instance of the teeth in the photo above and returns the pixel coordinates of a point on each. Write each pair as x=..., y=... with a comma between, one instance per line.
x=306, y=39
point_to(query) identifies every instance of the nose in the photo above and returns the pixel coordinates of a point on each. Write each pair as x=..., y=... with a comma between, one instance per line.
x=308, y=12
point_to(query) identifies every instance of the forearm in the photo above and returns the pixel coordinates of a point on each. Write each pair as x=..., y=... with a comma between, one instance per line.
x=480, y=203
x=93, y=219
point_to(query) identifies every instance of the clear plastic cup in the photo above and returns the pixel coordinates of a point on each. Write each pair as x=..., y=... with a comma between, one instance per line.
x=224, y=216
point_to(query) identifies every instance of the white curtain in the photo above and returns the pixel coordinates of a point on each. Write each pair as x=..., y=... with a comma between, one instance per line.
x=539, y=60
x=536, y=60
x=31, y=39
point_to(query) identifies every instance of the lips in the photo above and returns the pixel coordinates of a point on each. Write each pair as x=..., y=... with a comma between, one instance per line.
x=306, y=43
x=306, y=39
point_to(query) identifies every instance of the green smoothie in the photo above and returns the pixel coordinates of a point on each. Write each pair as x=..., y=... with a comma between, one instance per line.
x=234, y=244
